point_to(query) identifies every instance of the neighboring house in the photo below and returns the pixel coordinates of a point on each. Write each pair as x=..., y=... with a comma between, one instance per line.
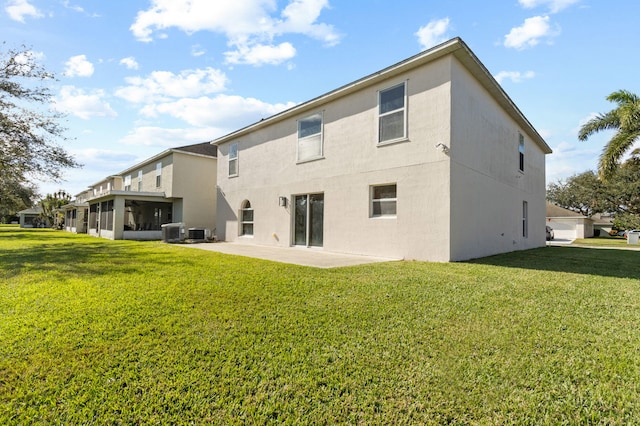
x=76, y=214
x=567, y=224
x=177, y=185
x=602, y=224
x=427, y=159
x=32, y=218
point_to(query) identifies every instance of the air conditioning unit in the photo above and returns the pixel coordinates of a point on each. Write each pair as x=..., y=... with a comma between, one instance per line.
x=173, y=232
x=197, y=234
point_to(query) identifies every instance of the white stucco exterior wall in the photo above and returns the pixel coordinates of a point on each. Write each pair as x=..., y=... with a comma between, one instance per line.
x=193, y=186
x=488, y=189
x=353, y=161
x=454, y=205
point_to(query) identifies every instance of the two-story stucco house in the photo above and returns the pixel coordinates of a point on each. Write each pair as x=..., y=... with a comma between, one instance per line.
x=427, y=159
x=177, y=185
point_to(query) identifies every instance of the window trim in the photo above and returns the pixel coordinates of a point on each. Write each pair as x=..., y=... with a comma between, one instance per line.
x=521, y=152
x=404, y=109
x=234, y=158
x=309, y=137
x=373, y=201
x=243, y=222
x=158, y=174
x=525, y=219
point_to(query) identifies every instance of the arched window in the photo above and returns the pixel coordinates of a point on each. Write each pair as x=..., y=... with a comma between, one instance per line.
x=246, y=219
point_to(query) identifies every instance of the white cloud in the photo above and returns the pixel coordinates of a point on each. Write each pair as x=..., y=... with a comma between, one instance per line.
x=197, y=50
x=261, y=54
x=169, y=138
x=433, y=33
x=299, y=17
x=68, y=5
x=78, y=66
x=83, y=105
x=162, y=85
x=18, y=9
x=104, y=159
x=27, y=59
x=246, y=24
x=130, y=62
x=222, y=111
x=555, y=6
x=529, y=33
x=514, y=76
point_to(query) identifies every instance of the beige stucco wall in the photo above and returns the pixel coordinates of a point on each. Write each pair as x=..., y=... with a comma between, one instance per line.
x=463, y=204
x=352, y=162
x=194, y=190
x=488, y=189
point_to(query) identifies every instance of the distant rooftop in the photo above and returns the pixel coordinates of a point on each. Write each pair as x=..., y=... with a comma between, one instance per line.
x=203, y=148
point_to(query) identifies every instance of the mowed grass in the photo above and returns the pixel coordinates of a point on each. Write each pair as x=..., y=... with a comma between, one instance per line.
x=102, y=332
x=610, y=242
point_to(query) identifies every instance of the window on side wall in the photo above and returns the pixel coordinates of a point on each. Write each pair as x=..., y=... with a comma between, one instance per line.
x=521, y=152
x=139, y=180
x=310, y=137
x=392, y=117
x=525, y=220
x=233, y=159
x=127, y=183
x=246, y=216
x=158, y=175
x=383, y=200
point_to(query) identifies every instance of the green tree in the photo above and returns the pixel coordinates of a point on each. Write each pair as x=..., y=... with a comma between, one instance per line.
x=583, y=193
x=30, y=132
x=587, y=194
x=624, y=190
x=625, y=119
x=50, y=204
x=15, y=196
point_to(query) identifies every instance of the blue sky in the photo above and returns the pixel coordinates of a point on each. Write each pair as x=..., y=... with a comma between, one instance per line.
x=139, y=76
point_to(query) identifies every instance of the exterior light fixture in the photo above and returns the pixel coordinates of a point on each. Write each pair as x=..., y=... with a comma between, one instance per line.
x=442, y=147
x=282, y=201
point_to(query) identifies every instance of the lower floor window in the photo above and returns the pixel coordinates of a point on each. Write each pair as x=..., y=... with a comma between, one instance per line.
x=525, y=220
x=383, y=200
x=246, y=215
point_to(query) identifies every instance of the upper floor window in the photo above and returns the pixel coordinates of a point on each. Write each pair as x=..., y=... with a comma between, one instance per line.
x=233, y=159
x=392, y=117
x=139, y=180
x=247, y=219
x=127, y=183
x=521, y=151
x=158, y=175
x=383, y=200
x=310, y=137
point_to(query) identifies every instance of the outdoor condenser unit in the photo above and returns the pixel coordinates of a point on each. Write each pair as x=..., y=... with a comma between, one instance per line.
x=172, y=232
x=197, y=234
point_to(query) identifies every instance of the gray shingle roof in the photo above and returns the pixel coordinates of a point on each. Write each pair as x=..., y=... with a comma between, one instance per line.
x=204, y=148
x=557, y=211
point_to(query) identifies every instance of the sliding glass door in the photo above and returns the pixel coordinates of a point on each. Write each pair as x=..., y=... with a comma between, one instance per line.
x=308, y=222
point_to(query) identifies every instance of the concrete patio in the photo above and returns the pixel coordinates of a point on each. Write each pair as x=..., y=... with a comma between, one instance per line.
x=317, y=258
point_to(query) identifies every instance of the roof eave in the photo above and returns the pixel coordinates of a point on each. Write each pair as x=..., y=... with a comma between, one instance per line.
x=454, y=46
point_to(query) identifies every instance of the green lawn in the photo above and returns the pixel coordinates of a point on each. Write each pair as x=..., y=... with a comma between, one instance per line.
x=611, y=242
x=102, y=332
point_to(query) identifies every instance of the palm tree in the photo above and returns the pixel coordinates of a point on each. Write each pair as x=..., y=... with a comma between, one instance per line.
x=626, y=120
